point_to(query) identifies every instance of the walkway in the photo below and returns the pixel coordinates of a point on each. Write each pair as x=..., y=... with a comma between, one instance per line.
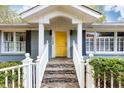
x=60, y=73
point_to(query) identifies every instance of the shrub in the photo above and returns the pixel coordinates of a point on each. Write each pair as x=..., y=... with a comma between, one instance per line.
x=9, y=64
x=9, y=74
x=108, y=65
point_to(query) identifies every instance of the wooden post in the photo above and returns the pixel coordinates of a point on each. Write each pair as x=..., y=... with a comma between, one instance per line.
x=82, y=74
x=89, y=74
x=79, y=38
x=37, y=72
x=40, y=38
x=27, y=70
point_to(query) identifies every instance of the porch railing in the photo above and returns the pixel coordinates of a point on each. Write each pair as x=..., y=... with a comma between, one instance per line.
x=27, y=75
x=18, y=76
x=79, y=66
x=107, y=80
x=41, y=63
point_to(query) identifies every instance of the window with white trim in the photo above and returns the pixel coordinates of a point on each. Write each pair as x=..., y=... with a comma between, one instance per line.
x=100, y=41
x=13, y=42
x=120, y=41
x=90, y=41
x=105, y=41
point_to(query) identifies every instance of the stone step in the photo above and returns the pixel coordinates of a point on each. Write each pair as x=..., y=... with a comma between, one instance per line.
x=60, y=85
x=58, y=69
x=60, y=72
x=61, y=65
x=60, y=61
x=59, y=80
x=60, y=76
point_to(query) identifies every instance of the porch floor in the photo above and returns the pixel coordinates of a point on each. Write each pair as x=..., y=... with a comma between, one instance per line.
x=60, y=73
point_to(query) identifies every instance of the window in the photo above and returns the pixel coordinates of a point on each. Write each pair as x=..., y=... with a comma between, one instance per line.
x=90, y=41
x=102, y=41
x=120, y=41
x=13, y=42
x=20, y=41
x=105, y=41
x=8, y=41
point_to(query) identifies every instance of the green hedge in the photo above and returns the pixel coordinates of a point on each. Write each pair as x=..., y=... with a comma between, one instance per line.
x=9, y=64
x=9, y=74
x=108, y=65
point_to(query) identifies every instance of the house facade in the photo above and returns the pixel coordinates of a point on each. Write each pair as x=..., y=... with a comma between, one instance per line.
x=60, y=25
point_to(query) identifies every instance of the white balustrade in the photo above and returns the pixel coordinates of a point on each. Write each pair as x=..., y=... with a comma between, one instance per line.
x=26, y=82
x=79, y=66
x=89, y=74
x=41, y=63
x=27, y=70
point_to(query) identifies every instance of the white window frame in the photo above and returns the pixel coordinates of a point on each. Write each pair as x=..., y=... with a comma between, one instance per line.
x=119, y=45
x=104, y=44
x=14, y=40
x=115, y=51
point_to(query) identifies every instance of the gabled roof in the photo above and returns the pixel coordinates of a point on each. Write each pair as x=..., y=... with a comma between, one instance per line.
x=29, y=9
x=92, y=9
x=81, y=5
x=82, y=8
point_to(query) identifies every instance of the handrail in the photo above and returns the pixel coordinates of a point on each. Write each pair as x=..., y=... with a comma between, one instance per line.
x=41, y=63
x=79, y=66
x=14, y=67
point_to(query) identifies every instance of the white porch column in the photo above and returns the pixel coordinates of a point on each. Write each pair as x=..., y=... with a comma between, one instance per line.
x=79, y=38
x=41, y=39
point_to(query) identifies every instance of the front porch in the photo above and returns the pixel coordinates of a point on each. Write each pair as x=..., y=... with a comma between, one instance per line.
x=61, y=34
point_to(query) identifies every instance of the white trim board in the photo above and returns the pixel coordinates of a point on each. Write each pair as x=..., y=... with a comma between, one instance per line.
x=80, y=8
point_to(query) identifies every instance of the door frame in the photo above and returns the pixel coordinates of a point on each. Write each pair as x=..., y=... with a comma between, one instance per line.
x=54, y=46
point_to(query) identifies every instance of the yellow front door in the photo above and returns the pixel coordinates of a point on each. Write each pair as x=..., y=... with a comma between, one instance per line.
x=61, y=46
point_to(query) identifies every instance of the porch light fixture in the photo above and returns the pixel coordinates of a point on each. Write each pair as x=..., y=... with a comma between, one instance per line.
x=70, y=32
x=50, y=32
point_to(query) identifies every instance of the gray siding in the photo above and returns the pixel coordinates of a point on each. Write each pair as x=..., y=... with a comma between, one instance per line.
x=11, y=57
x=72, y=37
x=0, y=42
x=34, y=44
x=84, y=42
x=49, y=38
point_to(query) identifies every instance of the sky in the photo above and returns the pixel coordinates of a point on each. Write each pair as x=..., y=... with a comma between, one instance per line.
x=113, y=13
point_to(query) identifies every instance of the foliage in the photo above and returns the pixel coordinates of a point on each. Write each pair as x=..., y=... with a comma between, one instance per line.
x=9, y=73
x=99, y=8
x=101, y=19
x=9, y=64
x=9, y=16
x=108, y=65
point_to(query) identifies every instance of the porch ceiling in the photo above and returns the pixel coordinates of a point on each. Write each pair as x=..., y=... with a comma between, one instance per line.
x=60, y=24
x=81, y=13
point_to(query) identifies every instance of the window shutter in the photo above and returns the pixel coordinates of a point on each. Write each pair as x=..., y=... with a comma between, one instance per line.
x=28, y=41
x=84, y=42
